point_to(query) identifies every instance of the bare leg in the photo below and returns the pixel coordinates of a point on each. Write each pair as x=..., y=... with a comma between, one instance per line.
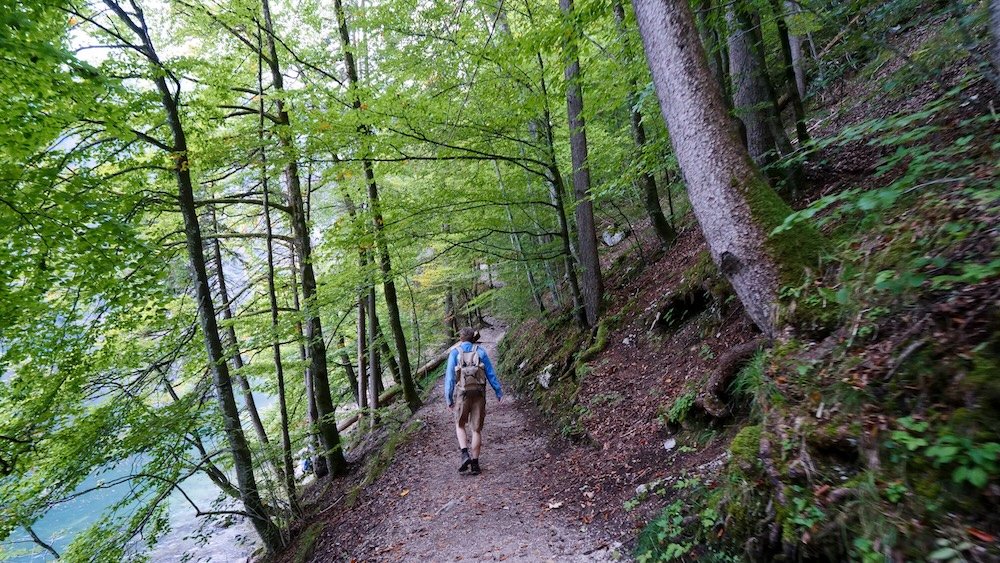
x=462, y=438
x=477, y=441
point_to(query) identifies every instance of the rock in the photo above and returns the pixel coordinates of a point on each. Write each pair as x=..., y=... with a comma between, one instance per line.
x=611, y=238
x=545, y=377
x=670, y=444
x=627, y=341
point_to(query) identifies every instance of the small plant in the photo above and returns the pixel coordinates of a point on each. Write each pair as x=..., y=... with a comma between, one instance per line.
x=680, y=408
x=971, y=462
x=706, y=353
x=895, y=492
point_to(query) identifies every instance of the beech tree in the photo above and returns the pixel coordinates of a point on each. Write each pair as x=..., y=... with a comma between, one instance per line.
x=593, y=283
x=734, y=204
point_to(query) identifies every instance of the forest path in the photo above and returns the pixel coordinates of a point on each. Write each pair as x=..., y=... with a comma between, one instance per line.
x=422, y=509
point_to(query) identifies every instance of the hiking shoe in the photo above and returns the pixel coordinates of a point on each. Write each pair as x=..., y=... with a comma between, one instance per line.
x=465, y=463
x=474, y=467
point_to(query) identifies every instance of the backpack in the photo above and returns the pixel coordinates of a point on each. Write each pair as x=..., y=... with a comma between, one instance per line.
x=470, y=375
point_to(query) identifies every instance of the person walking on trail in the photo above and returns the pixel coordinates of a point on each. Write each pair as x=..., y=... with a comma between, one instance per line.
x=465, y=378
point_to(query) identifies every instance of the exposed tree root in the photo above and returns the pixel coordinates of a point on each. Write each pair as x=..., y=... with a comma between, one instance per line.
x=710, y=398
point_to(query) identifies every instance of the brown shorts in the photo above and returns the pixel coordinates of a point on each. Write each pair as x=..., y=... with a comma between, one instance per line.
x=471, y=411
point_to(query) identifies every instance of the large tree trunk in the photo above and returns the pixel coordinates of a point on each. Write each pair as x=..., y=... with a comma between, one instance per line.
x=231, y=343
x=385, y=262
x=318, y=367
x=593, y=283
x=788, y=68
x=651, y=196
x=734, y=205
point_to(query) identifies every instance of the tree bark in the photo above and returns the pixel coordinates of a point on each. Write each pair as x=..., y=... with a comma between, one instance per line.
x=279, y=370
x=788, y=68
x=995, y=41
x=242, y=459
x=318, y=367
x=230, y=341
x=362, y=355
x=387, y=354
x=647, y=184
x=352, y=378
x=750, y=97
x=796, y=52
x=385, y=262
x=734, y=205
x=593, y=284
x=374, y=361
x=713, y=48
x=319, y=461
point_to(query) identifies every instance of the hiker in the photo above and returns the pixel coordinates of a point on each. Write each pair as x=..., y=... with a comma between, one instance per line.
x=465, y=378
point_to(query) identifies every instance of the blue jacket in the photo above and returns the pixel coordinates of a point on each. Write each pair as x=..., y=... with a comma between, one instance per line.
x=449, y=372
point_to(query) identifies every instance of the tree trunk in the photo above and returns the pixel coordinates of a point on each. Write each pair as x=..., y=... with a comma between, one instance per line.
x=593, y=284
x=734, y=205
x=319, y=461
x=230, y=341
x=750, y=97
x=385, y=262
x=515, y=242
x=362, y=356
x=450, y=314
x=994, y=47
x=242, y=460
x=314, y=329
x=713, y=48
x=390, y=358
x=651, y=197
x=795, y=50
x=279, y=370
x=352, y=378
x=791, y=86
x=374, y=361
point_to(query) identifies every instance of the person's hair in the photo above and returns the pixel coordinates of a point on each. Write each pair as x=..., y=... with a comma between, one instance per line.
x=467, y=334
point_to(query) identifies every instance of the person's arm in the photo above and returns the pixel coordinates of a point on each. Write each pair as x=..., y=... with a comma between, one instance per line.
x=491, y=375
x=449, y=377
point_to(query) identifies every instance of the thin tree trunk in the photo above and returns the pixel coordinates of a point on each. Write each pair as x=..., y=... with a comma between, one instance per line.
x=390, y=358
x=314, y=329
x=515, y=242
x=795, y=48
x=319, y=461
x=788, y=68
x=374, y=361
x=242, y=459
x=593, y=283
x=279, y=371
x=40, y=542
x=232, y=344
x=734, y=205
x=362, y=356
x=352, y=378
x=450, y=313
x=710, y=40
x=385, y=262
x=994, y=47
x=651, y=197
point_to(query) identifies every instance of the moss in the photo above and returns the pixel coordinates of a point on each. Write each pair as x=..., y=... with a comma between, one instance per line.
x=600, y=341
x=307, y=542
x=745, y=449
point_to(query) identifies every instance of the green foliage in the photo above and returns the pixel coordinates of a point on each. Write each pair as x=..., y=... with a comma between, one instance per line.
x=970, y=462
x=681, y=407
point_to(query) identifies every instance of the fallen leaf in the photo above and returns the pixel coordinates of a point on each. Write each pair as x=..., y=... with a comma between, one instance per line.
x=404, y=492
x=556, y=504
x=981, y=535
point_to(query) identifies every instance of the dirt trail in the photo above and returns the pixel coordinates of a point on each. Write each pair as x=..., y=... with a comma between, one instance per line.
x=422, y=509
